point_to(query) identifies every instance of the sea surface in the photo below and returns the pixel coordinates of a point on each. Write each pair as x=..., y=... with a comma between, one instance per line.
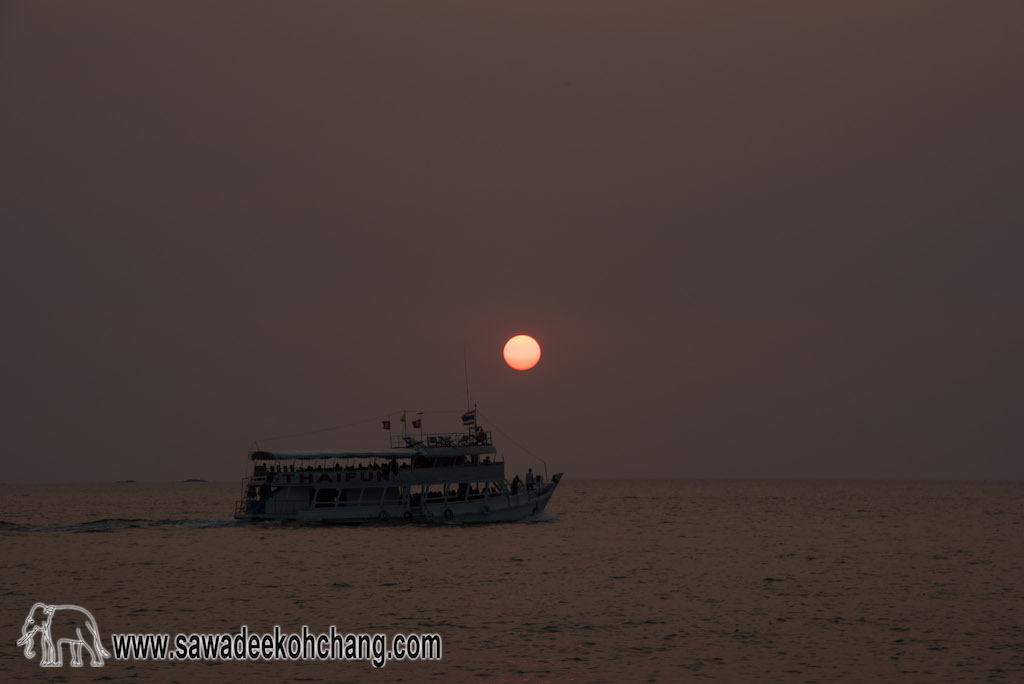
x=623, y=581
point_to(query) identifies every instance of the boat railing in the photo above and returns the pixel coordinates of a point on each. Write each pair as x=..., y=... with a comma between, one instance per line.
x=242, y=505
x=442, y=439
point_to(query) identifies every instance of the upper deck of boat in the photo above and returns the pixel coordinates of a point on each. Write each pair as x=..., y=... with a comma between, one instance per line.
x=409, y=451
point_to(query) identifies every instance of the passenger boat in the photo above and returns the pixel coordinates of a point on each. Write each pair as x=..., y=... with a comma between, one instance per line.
x=434, y=478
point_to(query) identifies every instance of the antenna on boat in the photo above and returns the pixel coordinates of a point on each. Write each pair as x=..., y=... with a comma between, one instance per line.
x=465, y=366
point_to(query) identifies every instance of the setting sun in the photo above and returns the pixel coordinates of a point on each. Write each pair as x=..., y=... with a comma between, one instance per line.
x=522, y=352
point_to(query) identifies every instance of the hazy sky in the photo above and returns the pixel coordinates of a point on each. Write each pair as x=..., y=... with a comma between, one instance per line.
x=764, y=239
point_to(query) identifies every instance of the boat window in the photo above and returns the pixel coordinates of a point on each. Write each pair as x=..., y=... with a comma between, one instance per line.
x=372, y=496
x=392, y=495
x=325, y=497
x=458, y=492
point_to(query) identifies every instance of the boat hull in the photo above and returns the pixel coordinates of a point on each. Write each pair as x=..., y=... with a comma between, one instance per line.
x=506, y=507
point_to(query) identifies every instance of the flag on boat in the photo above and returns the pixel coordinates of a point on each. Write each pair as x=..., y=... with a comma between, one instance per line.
x=402, y=419
x=417, y=423
x=469, y=417
x=386, y=424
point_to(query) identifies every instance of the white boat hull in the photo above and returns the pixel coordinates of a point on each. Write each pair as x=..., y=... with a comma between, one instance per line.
x=506, y=507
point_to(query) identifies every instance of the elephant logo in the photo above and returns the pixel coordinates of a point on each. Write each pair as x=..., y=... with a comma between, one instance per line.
x=59, y=625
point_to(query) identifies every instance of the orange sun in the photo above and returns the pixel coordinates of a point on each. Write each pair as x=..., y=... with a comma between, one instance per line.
x=522, y=352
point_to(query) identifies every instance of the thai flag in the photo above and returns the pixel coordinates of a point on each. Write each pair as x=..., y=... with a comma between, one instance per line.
x=469, y=418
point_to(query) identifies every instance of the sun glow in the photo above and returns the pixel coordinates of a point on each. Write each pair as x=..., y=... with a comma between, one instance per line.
x=522, y=352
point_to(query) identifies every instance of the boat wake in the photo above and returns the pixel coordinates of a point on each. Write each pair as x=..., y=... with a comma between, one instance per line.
x=539, y=518
x=117, y=524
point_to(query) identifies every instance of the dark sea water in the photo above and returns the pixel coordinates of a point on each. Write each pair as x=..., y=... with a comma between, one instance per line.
x=622, y=582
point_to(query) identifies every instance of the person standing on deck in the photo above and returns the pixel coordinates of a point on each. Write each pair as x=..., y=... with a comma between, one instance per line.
x=529, y=480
